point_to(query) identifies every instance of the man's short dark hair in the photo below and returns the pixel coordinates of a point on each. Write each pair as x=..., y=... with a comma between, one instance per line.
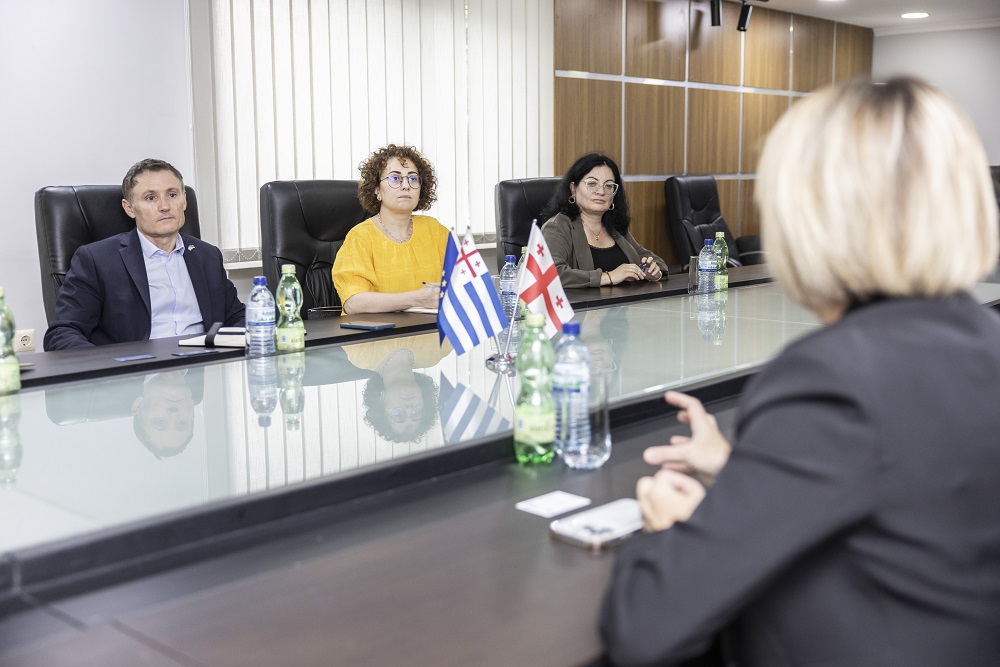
x=142, y=166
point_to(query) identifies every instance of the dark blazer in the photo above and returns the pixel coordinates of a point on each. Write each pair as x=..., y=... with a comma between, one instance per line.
x=857, y=521
x=105, y=297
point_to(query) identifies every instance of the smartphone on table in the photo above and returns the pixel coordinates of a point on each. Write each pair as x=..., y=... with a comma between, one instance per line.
x=600, y=527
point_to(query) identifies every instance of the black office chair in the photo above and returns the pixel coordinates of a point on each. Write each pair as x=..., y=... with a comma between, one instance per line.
x=995, y=175
x=69, y=216
x=518, y=202
x=694, y=214
x=305, y=223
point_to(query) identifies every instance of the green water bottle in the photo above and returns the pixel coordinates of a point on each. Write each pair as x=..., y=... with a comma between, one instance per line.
x=10, y=369
x=721, y=252
x=535, y=411
x=291, y=329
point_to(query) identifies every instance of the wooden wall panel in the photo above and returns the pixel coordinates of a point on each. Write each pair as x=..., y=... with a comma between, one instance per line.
x=715, y=51
x=729, y=192
x=656, y=38
x=749, y=216
x=588, y=117
x=766, y=49
x=588, y=36
x=648, y=207
x=713, y=131
x=812, y=53
x=760, y=113
x=853, y=52
x=654, y=134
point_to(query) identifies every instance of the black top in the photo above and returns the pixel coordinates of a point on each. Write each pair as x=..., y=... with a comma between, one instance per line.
x=608, y=259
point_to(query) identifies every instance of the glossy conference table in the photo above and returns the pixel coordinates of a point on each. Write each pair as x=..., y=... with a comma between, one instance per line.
x=291, y=529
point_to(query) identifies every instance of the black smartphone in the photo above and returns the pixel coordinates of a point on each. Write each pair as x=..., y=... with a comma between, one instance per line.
x=367, y=326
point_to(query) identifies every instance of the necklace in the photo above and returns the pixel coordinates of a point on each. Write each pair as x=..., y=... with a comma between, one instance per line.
x=409, y=229
x=596, y=235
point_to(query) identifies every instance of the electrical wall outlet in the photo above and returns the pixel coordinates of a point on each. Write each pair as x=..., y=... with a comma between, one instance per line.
x=24, y=340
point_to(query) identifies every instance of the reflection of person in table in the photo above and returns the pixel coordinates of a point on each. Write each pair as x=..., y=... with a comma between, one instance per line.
x=856, y=518
x=400, y=403
x=163, y=415
x=161, y=406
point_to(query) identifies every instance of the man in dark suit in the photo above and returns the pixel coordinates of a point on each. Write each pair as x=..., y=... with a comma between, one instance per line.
x=152, y=282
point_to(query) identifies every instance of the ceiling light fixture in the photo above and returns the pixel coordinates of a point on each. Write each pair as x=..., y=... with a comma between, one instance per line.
x=745, y=10
x=914, y=15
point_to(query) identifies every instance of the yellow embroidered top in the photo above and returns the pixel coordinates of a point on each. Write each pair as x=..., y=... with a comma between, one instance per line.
x=370, y=262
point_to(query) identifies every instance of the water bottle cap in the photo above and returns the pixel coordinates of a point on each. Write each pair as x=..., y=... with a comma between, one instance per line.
x=288, y=268
x=572, y=328
x=259, y=280
x=511, y=258
x=534, y=320
x=720, y=235
x=1, y=293
x=707, y=242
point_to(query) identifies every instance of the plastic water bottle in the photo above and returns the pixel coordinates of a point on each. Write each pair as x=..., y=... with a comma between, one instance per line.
x=508, y=286
x=262, y=376
x=508, y=298
x=10, y=368
x=260, y=320
x=291, y=329
x=292, y=397
x=708, y=316
x=11, y=453
x=534, y=411
x=721, y=251
x=708, y=268
x=571, y=392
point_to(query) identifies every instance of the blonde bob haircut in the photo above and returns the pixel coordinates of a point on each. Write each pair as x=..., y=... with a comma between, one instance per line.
x=869, y=190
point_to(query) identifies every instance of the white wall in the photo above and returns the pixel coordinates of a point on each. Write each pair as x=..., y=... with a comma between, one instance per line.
x=965, y=63
x=88, y=89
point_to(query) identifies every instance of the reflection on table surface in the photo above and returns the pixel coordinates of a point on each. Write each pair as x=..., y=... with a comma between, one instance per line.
x=81, y=457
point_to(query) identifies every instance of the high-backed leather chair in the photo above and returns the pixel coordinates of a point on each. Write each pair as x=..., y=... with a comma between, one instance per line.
x=305, y=223
x=518, y=202
x=694, y=214
x=995, y=174
x=69, y=216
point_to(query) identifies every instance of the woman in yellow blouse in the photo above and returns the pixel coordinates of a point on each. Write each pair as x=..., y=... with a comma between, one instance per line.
x=393, y=260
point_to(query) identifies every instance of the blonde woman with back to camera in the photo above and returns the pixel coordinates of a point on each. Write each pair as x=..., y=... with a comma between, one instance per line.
x=856, y=518
x=392, y=261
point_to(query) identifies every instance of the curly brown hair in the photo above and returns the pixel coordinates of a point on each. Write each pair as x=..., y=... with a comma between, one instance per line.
x=371, y=176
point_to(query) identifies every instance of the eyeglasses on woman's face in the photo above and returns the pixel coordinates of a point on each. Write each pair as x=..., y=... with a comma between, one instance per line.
x=399, y=415
x=396, y=180
x=594, y=186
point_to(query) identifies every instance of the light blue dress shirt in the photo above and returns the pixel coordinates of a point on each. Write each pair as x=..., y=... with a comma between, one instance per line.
x=172, y=301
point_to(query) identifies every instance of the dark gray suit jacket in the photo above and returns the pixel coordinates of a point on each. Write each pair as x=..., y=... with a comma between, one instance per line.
x=105, y=297
x=858, y=519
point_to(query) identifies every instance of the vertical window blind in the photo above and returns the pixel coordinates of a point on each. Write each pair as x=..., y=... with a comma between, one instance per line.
x=307, y=89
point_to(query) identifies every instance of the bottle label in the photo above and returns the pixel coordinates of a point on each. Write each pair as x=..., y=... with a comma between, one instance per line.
x=290, y=340
x=259, y=316
x=535, y=428
x=10, y=376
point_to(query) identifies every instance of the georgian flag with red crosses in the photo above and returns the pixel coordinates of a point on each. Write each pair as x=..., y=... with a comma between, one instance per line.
x=539, y=286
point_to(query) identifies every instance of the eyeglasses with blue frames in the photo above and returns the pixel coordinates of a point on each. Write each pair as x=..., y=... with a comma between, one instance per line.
x=594, y=186
x=396, y=180
x=399, y=415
